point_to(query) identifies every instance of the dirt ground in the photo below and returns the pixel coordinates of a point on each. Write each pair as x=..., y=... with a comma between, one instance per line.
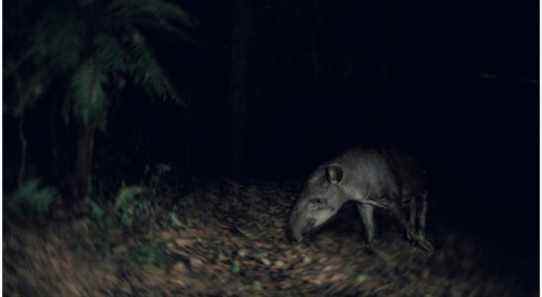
x=228, y=239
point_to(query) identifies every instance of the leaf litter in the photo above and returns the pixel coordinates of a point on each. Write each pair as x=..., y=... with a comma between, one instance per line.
x=229, y=239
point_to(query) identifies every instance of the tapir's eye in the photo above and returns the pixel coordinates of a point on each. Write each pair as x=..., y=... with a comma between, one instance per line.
x=317, y=201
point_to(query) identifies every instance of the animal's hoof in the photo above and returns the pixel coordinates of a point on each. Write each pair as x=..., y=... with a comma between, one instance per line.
x=420, y=241
x=411, y=236
x=425, y=245
x=369, y=248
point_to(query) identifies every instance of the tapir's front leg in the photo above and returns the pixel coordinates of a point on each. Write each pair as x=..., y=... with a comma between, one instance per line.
x=366, y=213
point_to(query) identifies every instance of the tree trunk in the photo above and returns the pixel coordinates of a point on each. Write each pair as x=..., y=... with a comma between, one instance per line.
x=188, y=145
x=238, y=85
x=54, y=140
x=22, y=164
x=22, y=137
x=84, y=161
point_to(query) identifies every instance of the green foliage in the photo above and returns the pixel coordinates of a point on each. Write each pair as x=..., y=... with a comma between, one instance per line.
x=145, y=70
x=28, y=91
x=163, y=15
x=150, y=10
x=31, y=200
x=153, y=253
x=109, y=52
x=174, y=220
x=58, y=38
x=128, y=205
x=94, y=46
x=88, y=83
x=235, y=267
x=97, y=213
x=156, y=177
x=131, y=209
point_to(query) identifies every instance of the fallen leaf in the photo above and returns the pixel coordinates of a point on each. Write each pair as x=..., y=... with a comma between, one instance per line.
x=279, y=264
x=242, y=252
x=121, y=249
x=180, y=267
x=196, y=262
x=337, y=277
x=235, y=268
x=179, y=282
x=361, y=278
x=184, y=242
x=167, y=235
x=257, y=285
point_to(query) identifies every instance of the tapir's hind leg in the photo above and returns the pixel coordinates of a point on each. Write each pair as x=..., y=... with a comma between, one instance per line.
x=411, y=233
x=366, y=212
x=423, y=215
x=412, y=214
x=398, y=214
x=421, y=240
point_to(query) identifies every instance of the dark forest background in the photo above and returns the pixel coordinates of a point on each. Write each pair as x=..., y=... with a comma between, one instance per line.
x=269, y=89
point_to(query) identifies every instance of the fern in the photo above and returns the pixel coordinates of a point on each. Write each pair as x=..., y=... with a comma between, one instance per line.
x=126, y=205
x=126, y=197
x=146, y=71
x=88, y=93
x=109, y=53
x=86, y=43
x=157, y=11
x=31, y=199
x=30, y=90
x=58, y=39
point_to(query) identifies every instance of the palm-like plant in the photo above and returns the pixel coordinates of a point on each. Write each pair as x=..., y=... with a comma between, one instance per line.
x=93, y=47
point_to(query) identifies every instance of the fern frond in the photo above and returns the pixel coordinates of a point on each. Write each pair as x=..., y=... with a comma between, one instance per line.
x=126, y=196
x=165, y=26
x=32, y=198
x=26, y=91
x=158, y=10
x=147, y=72
x=110, y=54
x=88, y=94
x=58, y=40
x=66, y=43
x=33, y=89
x=13, y=63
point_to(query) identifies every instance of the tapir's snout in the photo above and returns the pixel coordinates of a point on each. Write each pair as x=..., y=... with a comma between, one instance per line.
x=299, y=228
x=295, y=230
x=294, y=236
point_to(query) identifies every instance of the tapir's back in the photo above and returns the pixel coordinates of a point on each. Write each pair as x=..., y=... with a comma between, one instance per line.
x=378, y=172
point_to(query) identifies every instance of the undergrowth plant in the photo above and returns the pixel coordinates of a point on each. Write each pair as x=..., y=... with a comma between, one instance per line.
x=149, y=253
x=131, y=207
x=157, y=177
x=31, y=200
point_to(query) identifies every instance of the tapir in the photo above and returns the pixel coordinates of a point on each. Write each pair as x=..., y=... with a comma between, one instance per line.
x=382, y=178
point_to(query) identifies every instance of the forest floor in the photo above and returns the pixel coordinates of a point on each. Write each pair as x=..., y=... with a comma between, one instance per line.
x=229, y=239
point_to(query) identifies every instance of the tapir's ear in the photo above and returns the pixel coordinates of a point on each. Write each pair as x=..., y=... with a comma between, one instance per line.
x=334, y=174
